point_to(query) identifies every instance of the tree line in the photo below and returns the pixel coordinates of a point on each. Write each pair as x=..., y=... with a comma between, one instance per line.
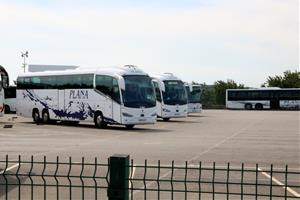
x=214, y=96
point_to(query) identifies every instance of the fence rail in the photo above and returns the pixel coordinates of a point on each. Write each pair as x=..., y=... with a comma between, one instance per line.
x=120, y=178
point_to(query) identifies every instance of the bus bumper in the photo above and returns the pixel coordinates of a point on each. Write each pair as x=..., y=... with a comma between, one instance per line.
x=178, y=111
x=138, y=116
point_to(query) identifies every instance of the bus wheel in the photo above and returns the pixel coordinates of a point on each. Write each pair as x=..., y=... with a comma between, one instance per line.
x=6, y=109
x=166, y=119
x=248, y=106
x=129, y=126
x=258, y=106
x=45, y=117
x=36, y=116
x=99, y=121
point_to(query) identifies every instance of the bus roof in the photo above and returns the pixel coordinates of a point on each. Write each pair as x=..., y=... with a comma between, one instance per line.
x=165, y=77
x=191, y=84
x=113, y=71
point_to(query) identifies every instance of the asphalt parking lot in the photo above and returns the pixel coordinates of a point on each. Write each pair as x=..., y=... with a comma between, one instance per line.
x=221, y=136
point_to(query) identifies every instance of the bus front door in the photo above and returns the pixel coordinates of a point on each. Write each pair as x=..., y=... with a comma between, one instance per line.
x=116, y=102
x=108, y=108
x=274, y=104
x=61, y=103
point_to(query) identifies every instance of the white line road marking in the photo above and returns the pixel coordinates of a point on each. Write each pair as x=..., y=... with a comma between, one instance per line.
x=220, y=143
x=9, y=168
x=132, y=175
x=202, y=153
x=279, y=183
x=210, y=166
x=133, y=171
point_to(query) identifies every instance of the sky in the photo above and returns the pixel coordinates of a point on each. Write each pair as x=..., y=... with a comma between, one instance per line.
x=197, y=40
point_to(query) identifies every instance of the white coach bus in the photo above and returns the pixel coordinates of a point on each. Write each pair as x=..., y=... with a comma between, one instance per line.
x=263, y=98
x=4, y=82
x=194, y=97
x=171, y=96
x=120, y=95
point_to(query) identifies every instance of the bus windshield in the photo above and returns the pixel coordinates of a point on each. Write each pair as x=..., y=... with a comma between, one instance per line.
x=139, y=92
x=175, y=93
x=195, y=95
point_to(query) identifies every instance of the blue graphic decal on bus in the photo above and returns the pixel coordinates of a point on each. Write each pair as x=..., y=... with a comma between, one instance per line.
x=84, y=109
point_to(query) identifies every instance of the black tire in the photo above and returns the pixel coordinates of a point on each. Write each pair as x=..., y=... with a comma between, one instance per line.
x=129, y=126
x=248, y=106
x=45, y=117
x=6, y=109
x=258, y=106
x=36, y=116
x=166, y=119
x=99, y=121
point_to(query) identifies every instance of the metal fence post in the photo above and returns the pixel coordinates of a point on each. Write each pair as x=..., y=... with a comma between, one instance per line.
x=118, y=188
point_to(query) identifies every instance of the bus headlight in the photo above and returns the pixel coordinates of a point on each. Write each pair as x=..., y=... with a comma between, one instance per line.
x=166, y=110
x=127, y=114
x=153, y=115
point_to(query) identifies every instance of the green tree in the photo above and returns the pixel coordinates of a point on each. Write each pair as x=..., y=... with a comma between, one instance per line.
x=220, y=90
x=208, y=97
x=288, y=80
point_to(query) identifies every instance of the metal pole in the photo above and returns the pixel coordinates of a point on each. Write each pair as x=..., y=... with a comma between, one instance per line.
x=24, y=55
x=119, y=175
x=24, y=64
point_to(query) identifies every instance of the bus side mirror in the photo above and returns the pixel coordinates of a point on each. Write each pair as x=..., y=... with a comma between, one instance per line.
x=162, y=86
x=122, y=83
x=191, y=87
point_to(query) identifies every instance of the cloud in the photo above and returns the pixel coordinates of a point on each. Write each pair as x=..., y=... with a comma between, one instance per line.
x=209, y=39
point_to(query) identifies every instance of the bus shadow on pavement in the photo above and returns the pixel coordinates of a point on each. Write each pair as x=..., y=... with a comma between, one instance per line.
x=109, y=127
x=137, y=129
x=179, y=121
x=197, y=116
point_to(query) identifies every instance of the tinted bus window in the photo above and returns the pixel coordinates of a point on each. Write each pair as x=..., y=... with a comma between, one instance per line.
x=56, y=82
x=20, y=82
x=27, y=83
x=104, y=84
x=231, y=95
x=48, y=82
x=108, y=86
x=87, y=81
x=289, y=94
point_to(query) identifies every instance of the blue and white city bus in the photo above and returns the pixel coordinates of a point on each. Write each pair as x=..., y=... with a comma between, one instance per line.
x=171, y=96
x=263, y=98
x=119, y=95
x=194, y=98
x=4, y=82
